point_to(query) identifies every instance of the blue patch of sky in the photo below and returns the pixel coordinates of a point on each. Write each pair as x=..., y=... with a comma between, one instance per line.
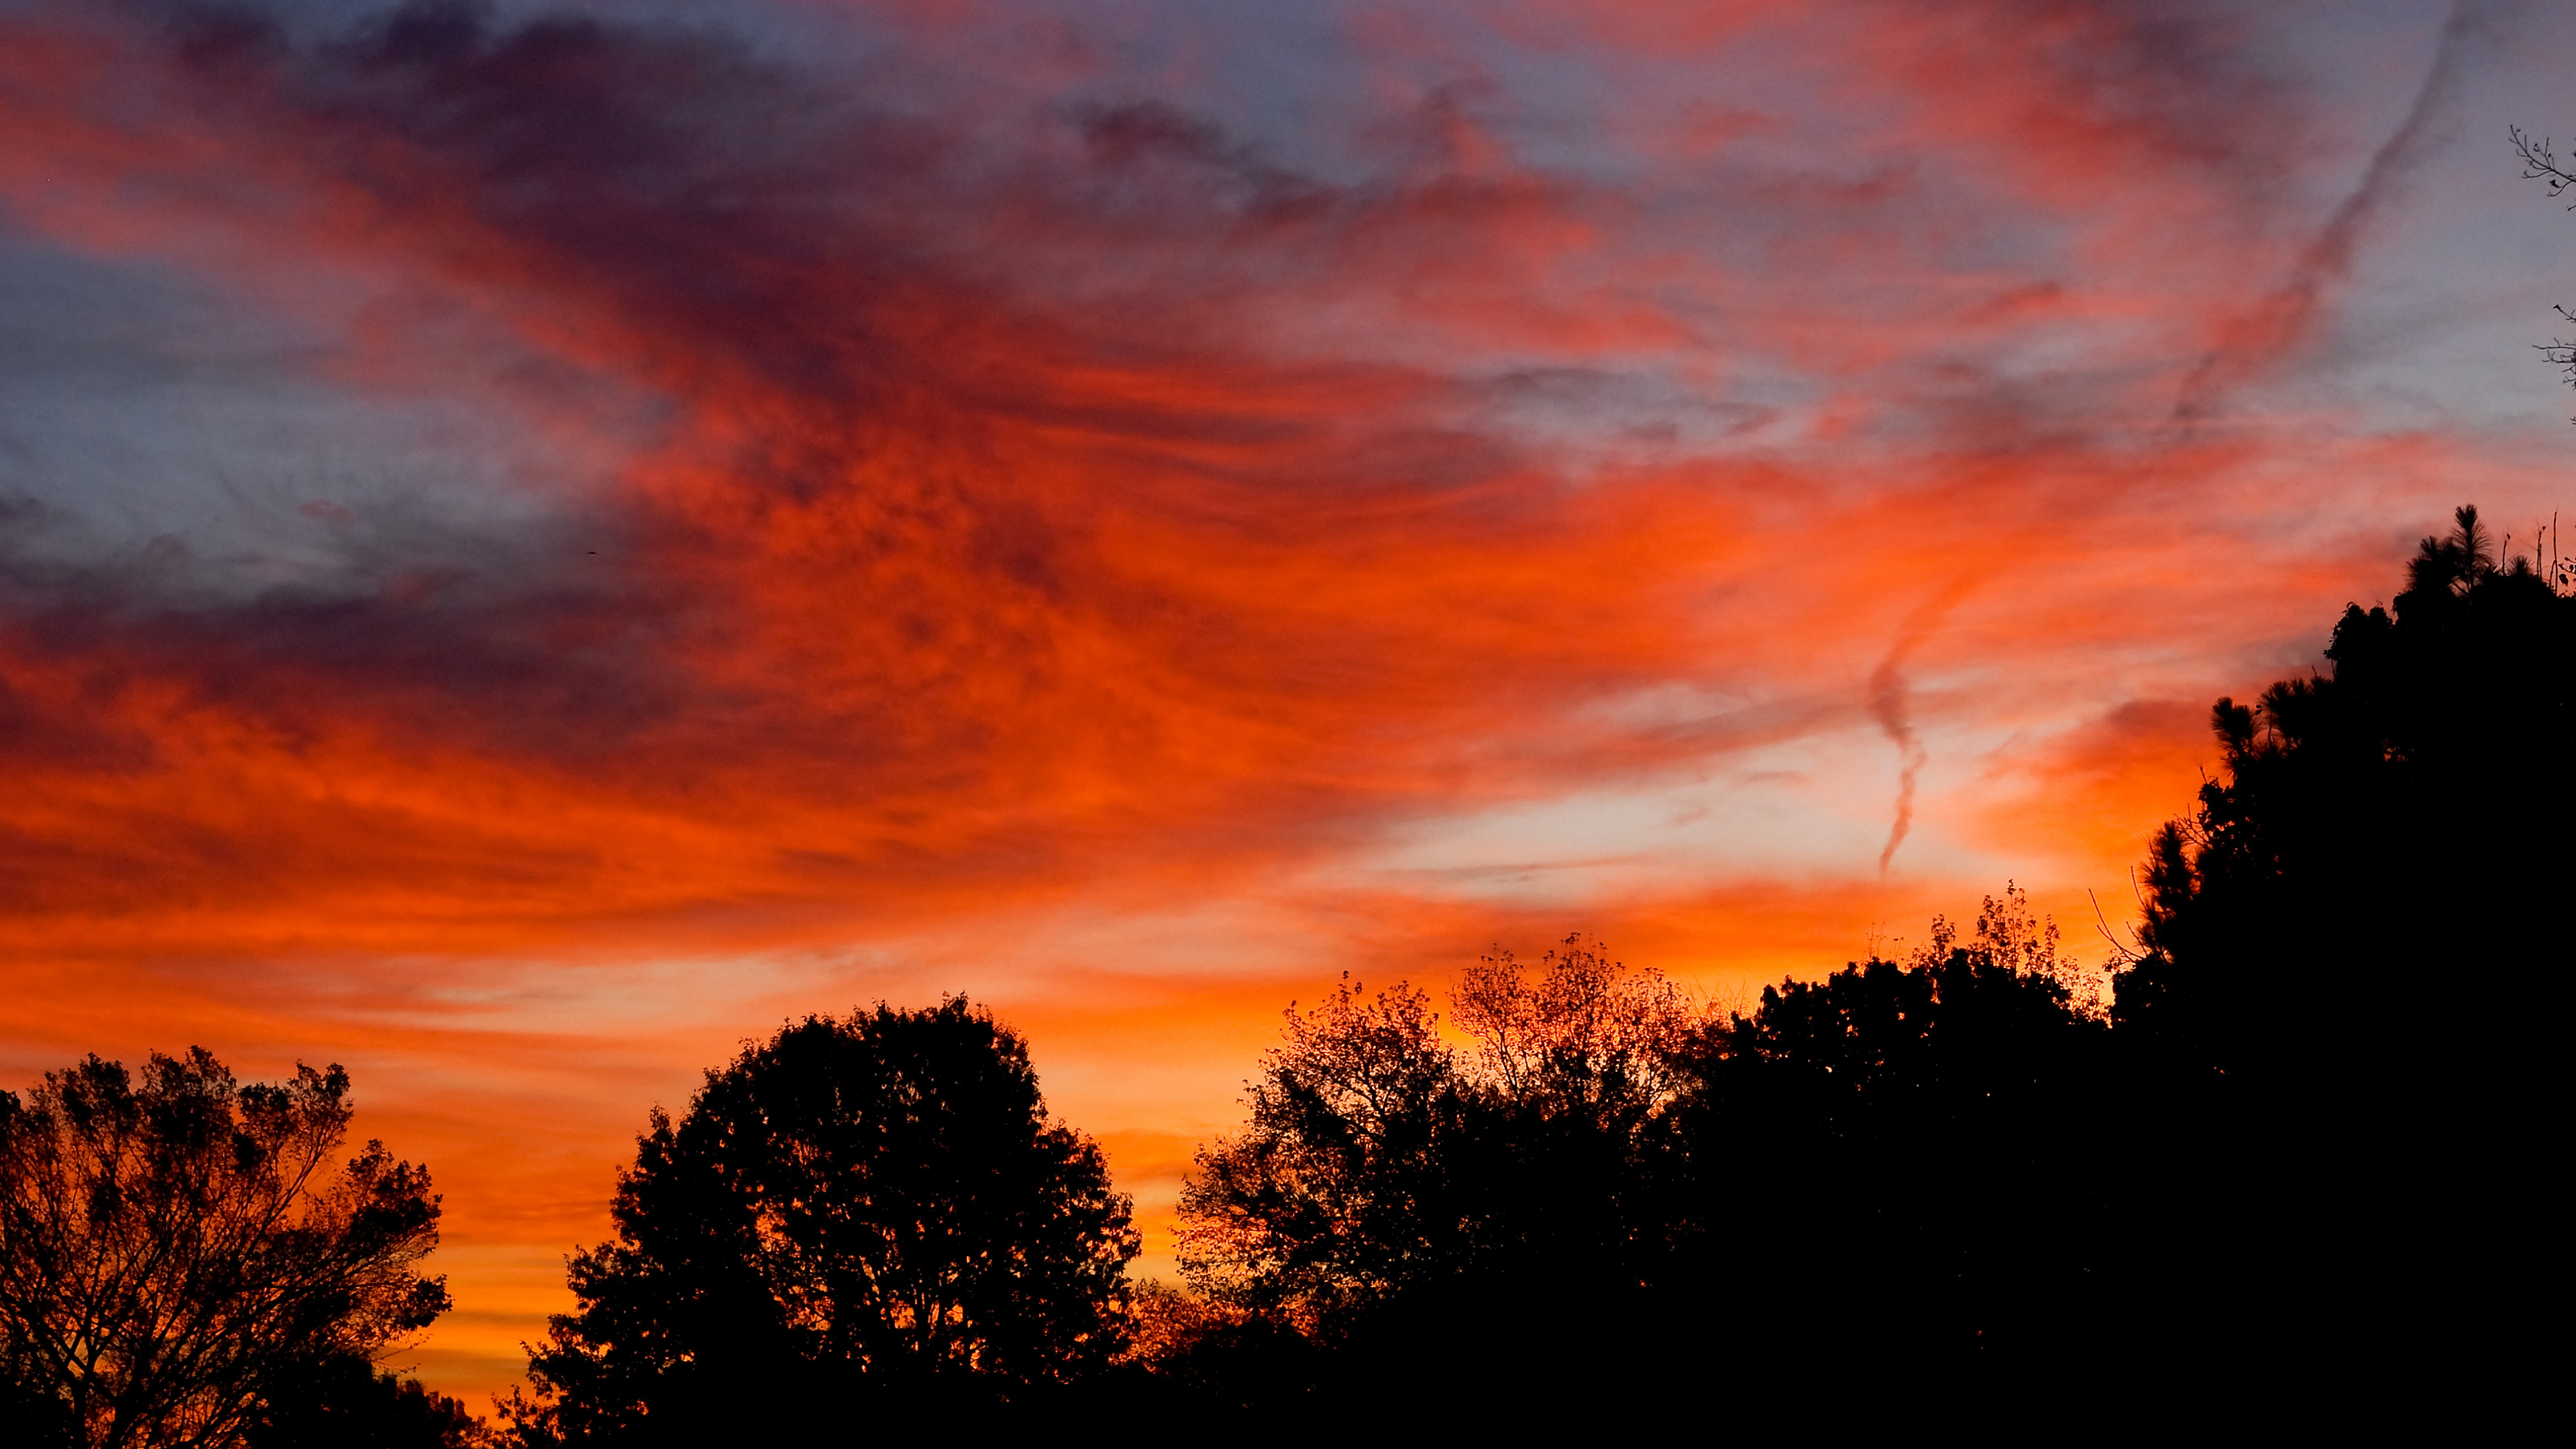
x=145, y=410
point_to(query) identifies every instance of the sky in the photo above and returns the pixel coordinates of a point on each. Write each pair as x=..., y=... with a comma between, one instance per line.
x=541, y=542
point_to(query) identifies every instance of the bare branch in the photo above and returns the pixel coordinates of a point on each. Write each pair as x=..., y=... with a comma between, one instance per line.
x=2540, y=163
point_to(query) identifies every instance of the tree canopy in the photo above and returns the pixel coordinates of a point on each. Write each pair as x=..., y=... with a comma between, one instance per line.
x=2354, y=959
x=2393, y=819
x=1382, y=1159
x=2290, y=1152
x=2295, y=1151
x=178, y=1253
x=1903, y=1162
x=861, y=1215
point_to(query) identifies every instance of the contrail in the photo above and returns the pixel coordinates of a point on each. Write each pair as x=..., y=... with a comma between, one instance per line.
x=2283, y=318
x=1889, y=697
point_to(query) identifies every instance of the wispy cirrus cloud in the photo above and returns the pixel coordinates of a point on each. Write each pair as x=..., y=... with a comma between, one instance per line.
x=623, y=525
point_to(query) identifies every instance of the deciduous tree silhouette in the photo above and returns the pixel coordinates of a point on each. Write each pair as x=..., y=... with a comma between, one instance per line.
x=1336, y=1195
x=174, y=1254
x=1606, y=1192
x=1583, y=1036
x=1899, y=1167
x=2540, y=163
x=1470, y=1209
x=858, y=1217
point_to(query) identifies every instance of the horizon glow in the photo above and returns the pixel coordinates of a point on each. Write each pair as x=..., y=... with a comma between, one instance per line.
x=538, y=543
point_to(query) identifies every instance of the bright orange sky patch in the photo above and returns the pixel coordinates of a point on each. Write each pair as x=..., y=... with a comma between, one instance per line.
x=535, y=548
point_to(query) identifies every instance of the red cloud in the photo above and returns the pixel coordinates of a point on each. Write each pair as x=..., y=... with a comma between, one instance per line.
x=1028, y=497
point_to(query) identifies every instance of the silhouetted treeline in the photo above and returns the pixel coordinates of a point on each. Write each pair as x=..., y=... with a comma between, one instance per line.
x=2287, y=1172
x=2295, y=1168
x=1897, y=1170
x=2355, y=968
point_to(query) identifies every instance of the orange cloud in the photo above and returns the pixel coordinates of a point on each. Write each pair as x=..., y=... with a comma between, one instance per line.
x=986, y=511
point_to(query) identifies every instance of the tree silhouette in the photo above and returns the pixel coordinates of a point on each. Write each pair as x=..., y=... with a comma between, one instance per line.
x=1334, y=1197
x=1904, y=1166
x=2392, y=822
x=1587, y=1037
x=347, y=1402
x=2385, y=852
x=2298, y=1152
x=859, y=1216
x=1605, y=1190
x=1471, y=1210
x=174, y=1255
x=2540, y=163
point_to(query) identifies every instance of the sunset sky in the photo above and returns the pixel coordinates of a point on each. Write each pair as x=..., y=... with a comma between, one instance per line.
x=539, y=541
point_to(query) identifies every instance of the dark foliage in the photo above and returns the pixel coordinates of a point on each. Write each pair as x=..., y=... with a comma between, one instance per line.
x=1895, y=1167
x=2295, y=1164
x=1900, y=1163
x=2280, y=1178
x=346, y=1402
x=2355, y=965
x=1473, y=1213
x=858, y=1218
x=2395, y=823
x=174, y=1253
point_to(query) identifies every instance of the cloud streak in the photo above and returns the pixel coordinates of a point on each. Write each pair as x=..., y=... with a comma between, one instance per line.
x=1890, y=697
x=2287, y=317
x=1125, y=513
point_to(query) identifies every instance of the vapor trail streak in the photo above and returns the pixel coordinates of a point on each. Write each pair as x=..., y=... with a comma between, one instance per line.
x=2284, y=317
x=1890, y=700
